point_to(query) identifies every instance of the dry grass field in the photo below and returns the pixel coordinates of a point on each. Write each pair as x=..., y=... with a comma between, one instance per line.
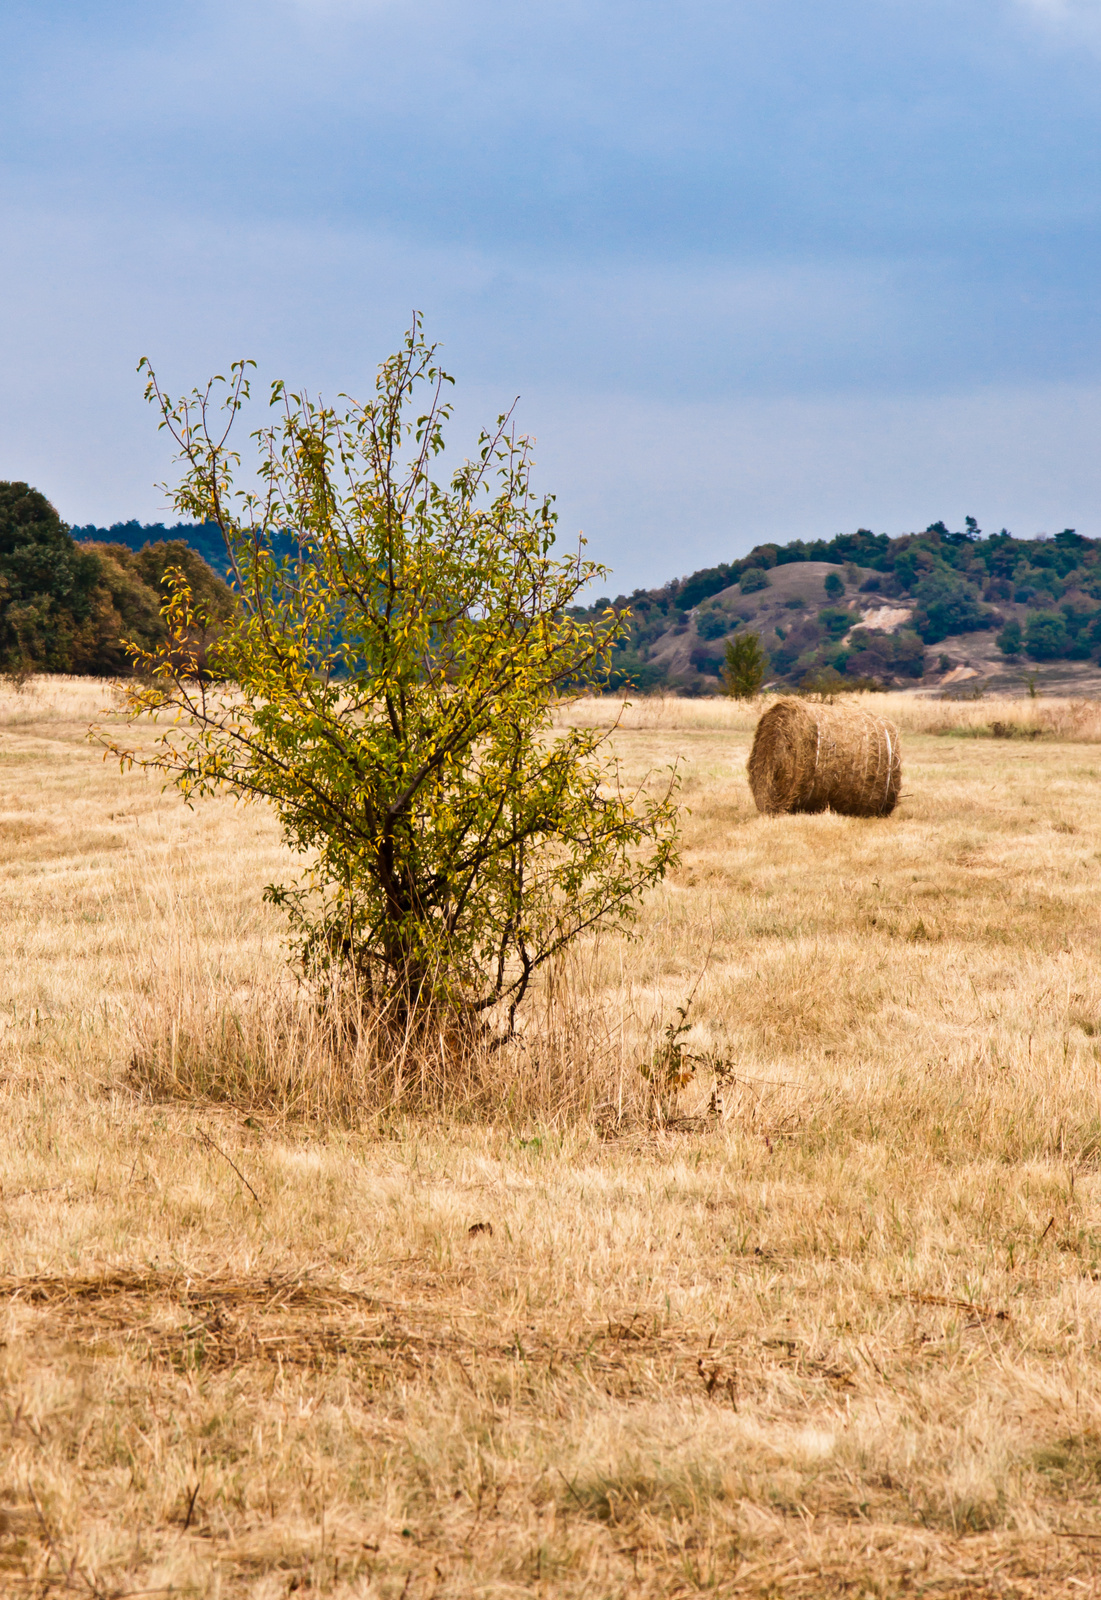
x=842, y=1338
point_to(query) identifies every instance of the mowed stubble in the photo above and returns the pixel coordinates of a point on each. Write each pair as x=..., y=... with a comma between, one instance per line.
x=843, y=1341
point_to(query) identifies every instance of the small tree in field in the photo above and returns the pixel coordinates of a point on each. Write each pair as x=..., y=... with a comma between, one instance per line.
x=387, y=684
x=745, y=666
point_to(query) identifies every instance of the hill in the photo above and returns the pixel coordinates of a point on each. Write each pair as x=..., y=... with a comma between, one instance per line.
x=936, y=607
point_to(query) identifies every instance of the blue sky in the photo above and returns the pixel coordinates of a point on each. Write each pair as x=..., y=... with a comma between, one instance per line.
x=757, y=269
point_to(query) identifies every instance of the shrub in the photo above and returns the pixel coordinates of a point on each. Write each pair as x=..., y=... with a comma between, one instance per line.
x=394, y=681
x=835, y=585
x=753, y=579
x=713, y=624
x=836, y=622
x=1009, y=640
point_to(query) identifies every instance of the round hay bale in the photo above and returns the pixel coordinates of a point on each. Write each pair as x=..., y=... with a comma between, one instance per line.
x=825, y=758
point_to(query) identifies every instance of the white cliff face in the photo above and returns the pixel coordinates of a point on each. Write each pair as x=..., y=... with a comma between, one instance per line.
x=885, y=619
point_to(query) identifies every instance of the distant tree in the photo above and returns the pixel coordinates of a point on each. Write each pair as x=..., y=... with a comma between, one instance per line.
x=745, y=666
x=836, y=622
x=886, y=655
x=1009, y=640
x=47, y=585
x=701, y=585
x=713, y=623
x=701, y=660
x=835, y=585
x=205, y=538
x=754, y=578
x=135, y=586
x=947, y=604
x=1046, y=636
x=68, y=607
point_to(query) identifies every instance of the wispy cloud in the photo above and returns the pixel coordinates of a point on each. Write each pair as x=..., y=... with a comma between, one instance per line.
x=1066, y=9
x=1074, y=19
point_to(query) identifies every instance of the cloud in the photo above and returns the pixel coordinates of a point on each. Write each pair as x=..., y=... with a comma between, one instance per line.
x=665, y=402
x=1066, y=20
x=741, y=261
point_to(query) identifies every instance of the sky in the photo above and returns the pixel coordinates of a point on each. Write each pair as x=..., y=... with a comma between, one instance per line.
x=756, y=269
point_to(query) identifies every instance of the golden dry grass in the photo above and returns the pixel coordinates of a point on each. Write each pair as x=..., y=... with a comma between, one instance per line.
x=842, y=1341
x=912, y=712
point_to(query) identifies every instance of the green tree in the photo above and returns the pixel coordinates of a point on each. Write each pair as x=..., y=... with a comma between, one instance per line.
x=395, y=678
x=754, y=579
x=836, y=622
x=712, y=623
x=745, y=666
x=47, y=585
x=129, y=602
x=947, y=604
x=68, y=607
x=1046, y=636
x=834, y=585
x=1009, y=639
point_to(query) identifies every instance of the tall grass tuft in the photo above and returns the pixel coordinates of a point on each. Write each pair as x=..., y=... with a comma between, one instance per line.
x=315, y=1049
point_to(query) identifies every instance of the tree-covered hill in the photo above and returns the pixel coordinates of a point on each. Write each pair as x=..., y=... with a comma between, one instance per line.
x=868, y=606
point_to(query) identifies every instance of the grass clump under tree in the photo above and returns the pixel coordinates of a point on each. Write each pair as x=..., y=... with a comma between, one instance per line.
x=397, y=650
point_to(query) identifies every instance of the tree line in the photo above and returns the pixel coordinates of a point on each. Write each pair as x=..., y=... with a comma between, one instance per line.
x=69, y=606
x=70, y=596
